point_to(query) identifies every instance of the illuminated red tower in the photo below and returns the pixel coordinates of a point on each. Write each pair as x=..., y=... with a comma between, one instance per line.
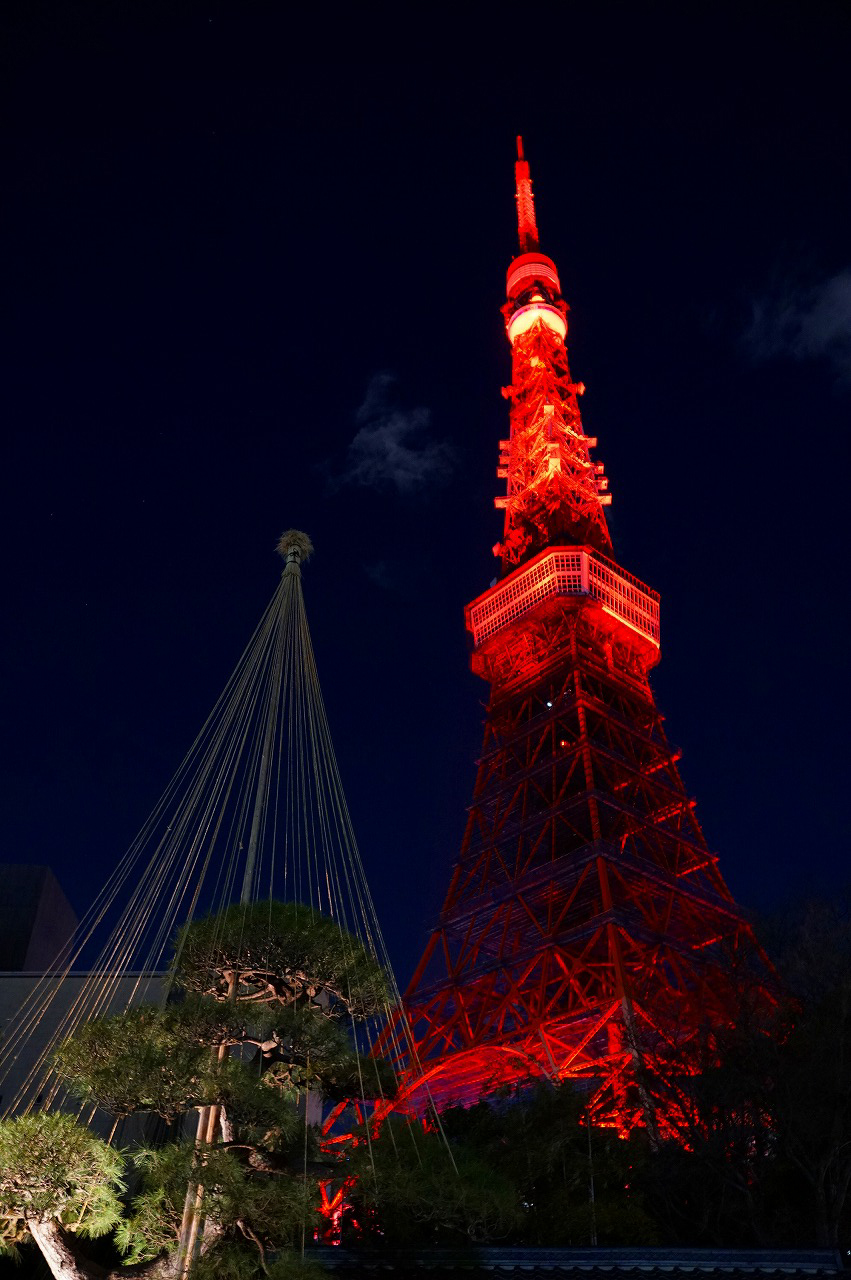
x=586, y=923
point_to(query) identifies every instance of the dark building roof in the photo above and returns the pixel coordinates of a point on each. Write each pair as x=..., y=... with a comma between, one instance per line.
x=36, y=919
x=579, y=1264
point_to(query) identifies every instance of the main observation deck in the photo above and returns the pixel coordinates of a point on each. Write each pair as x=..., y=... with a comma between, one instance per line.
x=567, y=571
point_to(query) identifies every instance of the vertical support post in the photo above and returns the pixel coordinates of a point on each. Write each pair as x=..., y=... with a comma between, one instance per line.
x=293, y=546
x=257, y=816
x=292, y=570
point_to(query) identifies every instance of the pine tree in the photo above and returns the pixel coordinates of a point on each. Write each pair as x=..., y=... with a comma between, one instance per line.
x=265, y=999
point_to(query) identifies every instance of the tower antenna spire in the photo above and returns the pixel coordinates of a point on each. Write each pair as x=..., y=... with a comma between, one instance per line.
x=527, y=227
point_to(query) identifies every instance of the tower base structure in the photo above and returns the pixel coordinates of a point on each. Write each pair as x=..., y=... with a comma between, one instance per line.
x=587, y=929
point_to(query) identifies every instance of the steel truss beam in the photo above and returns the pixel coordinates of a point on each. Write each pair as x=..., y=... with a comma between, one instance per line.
x=586, y=922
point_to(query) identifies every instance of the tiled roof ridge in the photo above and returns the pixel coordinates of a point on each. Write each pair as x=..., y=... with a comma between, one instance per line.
x=636, y=1261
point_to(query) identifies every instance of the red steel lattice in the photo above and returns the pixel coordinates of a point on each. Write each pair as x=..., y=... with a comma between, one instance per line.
x=586, y=923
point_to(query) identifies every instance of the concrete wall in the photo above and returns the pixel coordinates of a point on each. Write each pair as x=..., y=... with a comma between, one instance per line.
x=50, y=1006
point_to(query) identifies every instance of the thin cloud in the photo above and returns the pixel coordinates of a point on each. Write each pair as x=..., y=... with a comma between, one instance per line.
x=380, y=574
x=393, y=447
x=806, y=324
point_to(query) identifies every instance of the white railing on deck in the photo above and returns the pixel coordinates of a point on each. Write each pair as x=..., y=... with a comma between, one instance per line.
x=568, y=572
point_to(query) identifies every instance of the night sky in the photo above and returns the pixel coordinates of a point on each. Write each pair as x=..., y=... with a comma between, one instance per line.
x=253, y=262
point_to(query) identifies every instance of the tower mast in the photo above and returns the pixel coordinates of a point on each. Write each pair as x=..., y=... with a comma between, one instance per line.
x=555, y=493
x=527, y=226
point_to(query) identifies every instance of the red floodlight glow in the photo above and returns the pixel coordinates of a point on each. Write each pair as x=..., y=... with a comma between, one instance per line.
x=587, y=927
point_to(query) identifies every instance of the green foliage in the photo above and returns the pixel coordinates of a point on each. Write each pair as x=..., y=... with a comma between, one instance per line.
x=52, y=1168
x=762, y=1153
x=316, y=1053
x=261, y=1109
x=227, y=1261
x=283, y=953
x=409, y=1188
x=160, y=1060
x=274, y=1210
x=230, y=1262
x=711, y=1182
x=811, y=1095
x=535, y=1135
x=136, y=1061
x=290, y=1266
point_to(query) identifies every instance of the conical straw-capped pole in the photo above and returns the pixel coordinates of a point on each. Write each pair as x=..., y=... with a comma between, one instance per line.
x=294, y=546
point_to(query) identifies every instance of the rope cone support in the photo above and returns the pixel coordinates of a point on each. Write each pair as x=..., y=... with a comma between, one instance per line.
x=256, y=810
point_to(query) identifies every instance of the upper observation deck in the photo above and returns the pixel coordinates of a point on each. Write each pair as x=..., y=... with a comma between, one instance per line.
x=567, y=571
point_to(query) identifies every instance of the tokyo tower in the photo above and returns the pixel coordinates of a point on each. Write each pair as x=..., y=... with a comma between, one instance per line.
x=586, y=924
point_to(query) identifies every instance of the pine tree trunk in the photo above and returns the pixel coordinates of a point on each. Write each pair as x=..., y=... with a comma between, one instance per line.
x=59, y=1254
x=65, y=1263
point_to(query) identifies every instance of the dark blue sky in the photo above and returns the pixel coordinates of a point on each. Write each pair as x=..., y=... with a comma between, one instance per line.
x=227, y=228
